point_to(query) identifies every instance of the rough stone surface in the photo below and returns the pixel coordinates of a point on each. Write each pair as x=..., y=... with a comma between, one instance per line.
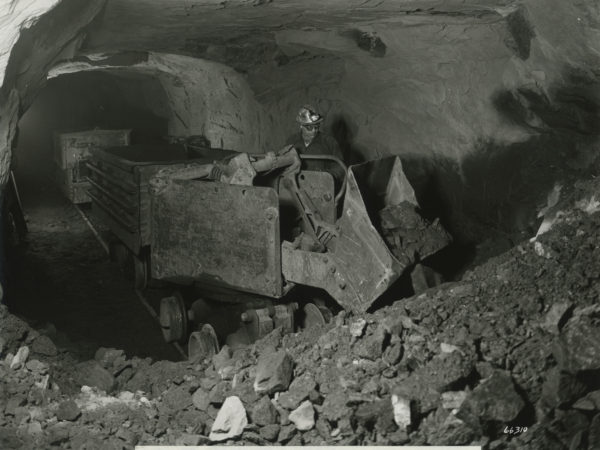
x=580, y=333
x=36, y=366
x=20, y=358
x=453, y=400
x=357, y=328
x=303, y=417
x=554, y=317
x=594, y=435
x=270, y=432
x=68, y=410
x=273, y=373
x=402, y=412
x=91, y=373
x=177, y=398
x=561, y=388
x=591, y=402
x=298, y=391
x=286, y=433
x=230, y=422
x=201, y=399
x=43, y=345
x=264, y=413
x=189, y=439
x=495, y=399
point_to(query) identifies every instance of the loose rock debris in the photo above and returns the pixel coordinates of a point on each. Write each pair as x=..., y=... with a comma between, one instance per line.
x=507, y=358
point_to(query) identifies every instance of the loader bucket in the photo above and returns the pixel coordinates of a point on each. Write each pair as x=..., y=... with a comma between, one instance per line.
x=366, y=263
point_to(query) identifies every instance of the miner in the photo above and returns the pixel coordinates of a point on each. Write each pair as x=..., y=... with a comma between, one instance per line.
x=311, y=140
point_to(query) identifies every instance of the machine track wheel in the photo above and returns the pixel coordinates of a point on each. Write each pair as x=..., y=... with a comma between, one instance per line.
x=173, y=318
x=203, y=344
x=315, y=315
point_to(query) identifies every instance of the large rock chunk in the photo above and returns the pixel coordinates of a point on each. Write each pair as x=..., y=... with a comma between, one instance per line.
x=402, y=412
x=377, y=414
x=230, y=421
x=90, y=373
x=408, y=234
x=555, y=316
x=298, y=391
x=274, y=373
x=442, y=428
x=264, y=413
x=43, y=345
x=20, y=358
x=201, y=400
x=578, y=346
x=68, y=410
x=494, y=400
x=334, y=407
x=270, y=432
x=371, y=345
x=561, y=388
x=177, y=398
x=303, y=417
x=594, y=435
x=591, y=402
x=112, y=359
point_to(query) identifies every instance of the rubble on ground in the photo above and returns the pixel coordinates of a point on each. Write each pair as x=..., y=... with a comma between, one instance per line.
x=506, y=358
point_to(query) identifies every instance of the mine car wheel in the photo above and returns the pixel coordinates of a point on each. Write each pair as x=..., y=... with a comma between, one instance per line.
x=140, y=272
x=203, y=344
x=315, y=315
x=326, y=313
x=173, y=318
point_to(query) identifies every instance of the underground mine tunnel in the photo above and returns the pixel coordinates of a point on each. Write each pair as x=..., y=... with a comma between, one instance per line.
x=153, y=211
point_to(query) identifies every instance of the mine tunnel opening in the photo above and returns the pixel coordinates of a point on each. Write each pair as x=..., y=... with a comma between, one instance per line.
x=56, y=276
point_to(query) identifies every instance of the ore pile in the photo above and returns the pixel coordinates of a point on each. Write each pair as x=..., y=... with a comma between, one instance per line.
x=409, y=235
x=507, y=358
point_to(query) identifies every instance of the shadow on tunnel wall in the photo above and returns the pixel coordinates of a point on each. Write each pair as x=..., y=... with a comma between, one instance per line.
x=489, y=200
x=343, y=132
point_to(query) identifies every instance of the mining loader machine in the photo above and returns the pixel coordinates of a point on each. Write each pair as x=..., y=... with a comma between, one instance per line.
x=255, y=235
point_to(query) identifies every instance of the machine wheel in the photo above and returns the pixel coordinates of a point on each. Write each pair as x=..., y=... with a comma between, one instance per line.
x=140, y=272
x=173, y=318
x=203, y=344
x=315, y=315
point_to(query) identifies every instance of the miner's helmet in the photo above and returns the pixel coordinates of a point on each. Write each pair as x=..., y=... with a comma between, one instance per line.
x=308, y=116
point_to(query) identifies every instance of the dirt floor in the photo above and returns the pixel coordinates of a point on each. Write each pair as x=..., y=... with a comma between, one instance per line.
x=62, y=279
x=507, y=358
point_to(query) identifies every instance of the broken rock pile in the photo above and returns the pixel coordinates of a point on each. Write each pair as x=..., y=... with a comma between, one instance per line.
x=507, y=358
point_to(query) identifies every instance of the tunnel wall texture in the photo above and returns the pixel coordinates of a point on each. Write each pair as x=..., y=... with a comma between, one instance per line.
x=201, y=97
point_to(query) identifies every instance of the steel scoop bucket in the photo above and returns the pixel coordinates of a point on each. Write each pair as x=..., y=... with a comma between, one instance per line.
x=360, y=251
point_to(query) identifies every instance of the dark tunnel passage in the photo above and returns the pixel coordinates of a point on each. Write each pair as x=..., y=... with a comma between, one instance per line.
x=87, y=101
x=58, y=275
